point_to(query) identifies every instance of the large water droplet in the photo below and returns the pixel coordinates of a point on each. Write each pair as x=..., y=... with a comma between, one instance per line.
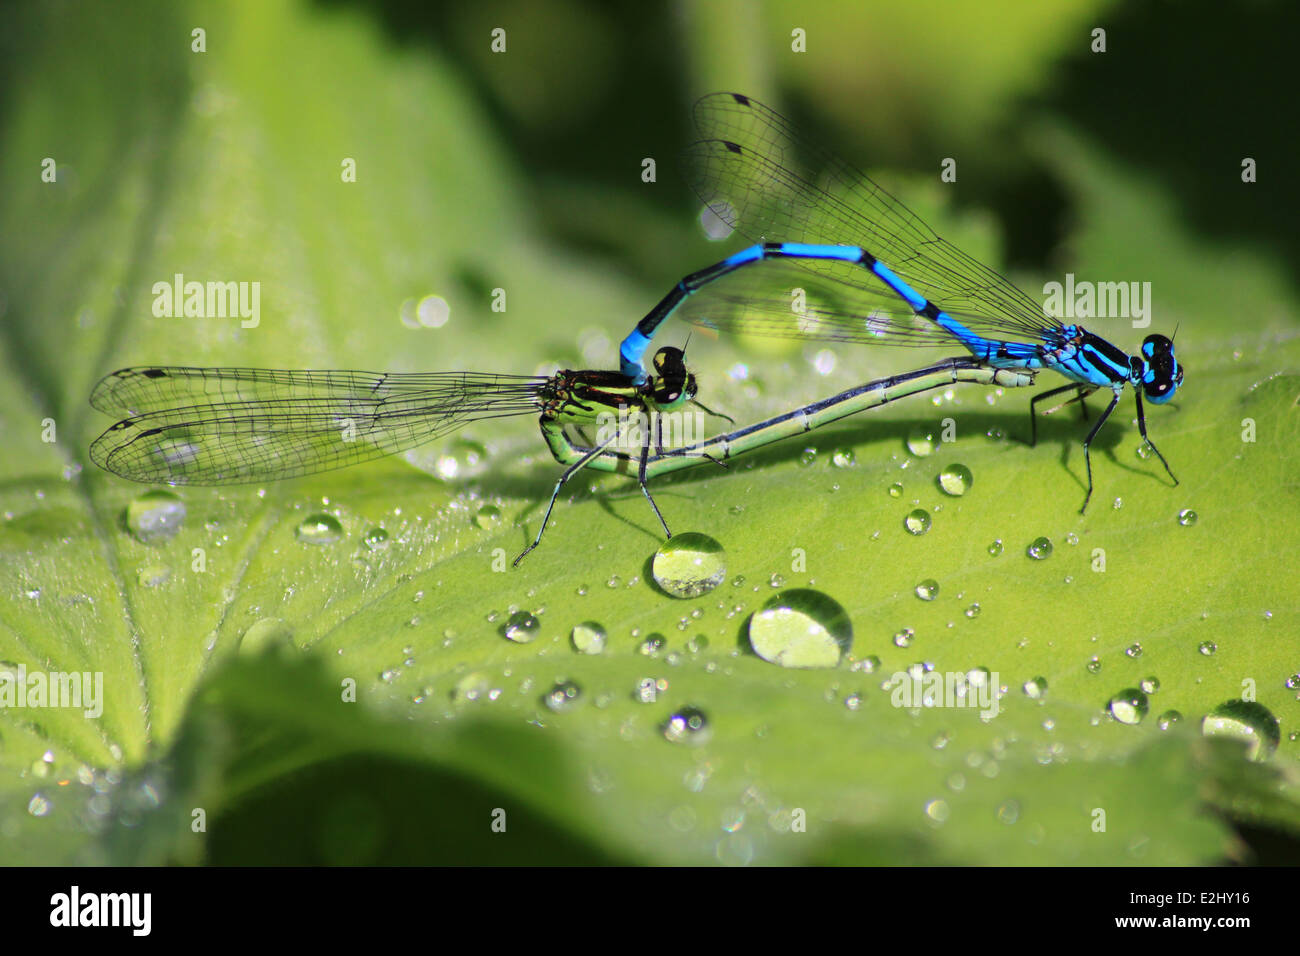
x=801, y=628
x=1248, y=721
x=921, y=441
x=155, y=516
x=917, y=522
x=955, y=480
x=588, y=638
x=689, y=564
x=1129, y=706
x=521, y=627
x=319, y=529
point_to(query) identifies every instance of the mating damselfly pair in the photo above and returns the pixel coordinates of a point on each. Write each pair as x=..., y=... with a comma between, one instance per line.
x=876, y=271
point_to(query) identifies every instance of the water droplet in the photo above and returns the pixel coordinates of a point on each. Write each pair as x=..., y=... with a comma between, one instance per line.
x=521, y=627
x=776, y=581
x=648, y=689
x=1187, y=517
x=155, y=516
x=155, y=575
x=904, y=637
x=1009, y=812
x=973, y=610
x=996, y=548
x=319, y=529
x=921, y=441
x=39, y=805
x=1168, y=719
x=687, y=726
x=489, y=516
x=801, y=628
x=1035, y=688
x=937, y=810
x=614, y=582
x=955, y=480
x=1094, y=665
x=689, y=564
x=918, y=522
x=1150, y=685
x=1039, y=549
x=376, y=539
x=1247, y=721
x=807, y=457
x=1293, y=682
x=1133, y=650
x=1129, y=706
x=1207, y=648
x=843, y=458
x=868, y=665
x=588, y=638
x=563, y=696
x=268, y=632
x=653, y=645
x=928, y=589
x=895, y=490
x=473, y=686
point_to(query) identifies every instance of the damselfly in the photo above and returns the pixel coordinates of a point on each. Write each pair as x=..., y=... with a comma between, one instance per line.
x=869, y=270
x=227, y=426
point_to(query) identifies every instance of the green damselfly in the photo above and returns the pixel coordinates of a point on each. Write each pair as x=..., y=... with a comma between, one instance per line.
x=230, y=426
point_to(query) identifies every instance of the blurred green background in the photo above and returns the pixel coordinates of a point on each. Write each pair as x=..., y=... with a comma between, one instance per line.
x=522, y=170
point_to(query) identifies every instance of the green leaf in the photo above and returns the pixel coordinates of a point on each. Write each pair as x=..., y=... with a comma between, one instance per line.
x=231, y=652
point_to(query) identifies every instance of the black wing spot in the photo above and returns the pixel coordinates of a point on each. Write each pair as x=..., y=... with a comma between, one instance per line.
x=733, y=147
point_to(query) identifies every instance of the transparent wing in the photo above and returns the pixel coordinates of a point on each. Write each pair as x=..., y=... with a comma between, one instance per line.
x=748, y=170
x=220, y=426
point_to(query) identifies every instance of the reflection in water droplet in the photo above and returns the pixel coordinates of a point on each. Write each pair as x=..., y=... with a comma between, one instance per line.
x=973, y=610
x=1208, y=648
x=1133, y=650
x=687, y=726
x=489, y=516
x=996, y=547
x=917, y=522
x=843, y=458
x=895, y=490
x=807, y=457
x=319, y=529
x=588, y=638
x=155, y=516
x=955, y=480
x=1248, y=721
x=1150, y=684
x=1039, y=549
x=521, y=627
x=1035, y=688
x=376, y=539
x=1129, y=706
x=928, y=589
x=689, y=564
x=801, y=628
x=1094, y=665
x=1187, y=517
x=904, y=637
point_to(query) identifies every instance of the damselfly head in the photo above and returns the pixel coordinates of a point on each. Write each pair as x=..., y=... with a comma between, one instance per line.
x=1163, y=374
x=673, y=384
